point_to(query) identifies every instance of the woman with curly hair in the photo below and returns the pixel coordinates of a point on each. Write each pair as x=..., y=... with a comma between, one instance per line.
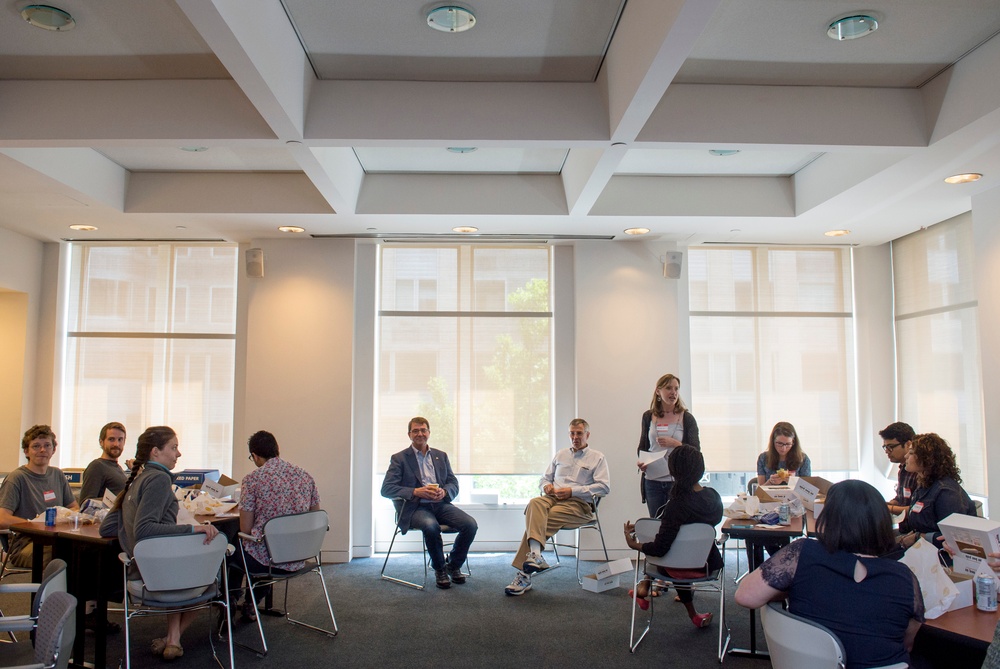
x=938, y=493
x=665, y=426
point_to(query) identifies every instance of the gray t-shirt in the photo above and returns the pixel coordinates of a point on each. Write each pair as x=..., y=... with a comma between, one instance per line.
x=27, y=494
x=99, y=476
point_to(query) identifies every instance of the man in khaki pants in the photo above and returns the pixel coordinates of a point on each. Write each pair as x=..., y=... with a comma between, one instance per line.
x=572, y=479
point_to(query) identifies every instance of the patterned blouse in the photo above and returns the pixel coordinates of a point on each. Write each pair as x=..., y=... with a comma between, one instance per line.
x=277, y=488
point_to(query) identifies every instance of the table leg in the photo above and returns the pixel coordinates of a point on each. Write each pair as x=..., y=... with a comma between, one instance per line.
x=753, y=561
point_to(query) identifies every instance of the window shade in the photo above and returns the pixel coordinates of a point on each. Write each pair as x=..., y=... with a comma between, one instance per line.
x=151, y=341
x=771, y=340
x=464, y=339
x=937, y=341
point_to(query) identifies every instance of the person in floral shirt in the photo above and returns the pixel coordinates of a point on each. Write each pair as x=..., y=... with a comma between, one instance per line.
x=275, y=488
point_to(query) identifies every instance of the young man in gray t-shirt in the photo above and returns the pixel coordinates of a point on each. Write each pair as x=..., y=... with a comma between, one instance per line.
x=30, y=489
x=105, y=473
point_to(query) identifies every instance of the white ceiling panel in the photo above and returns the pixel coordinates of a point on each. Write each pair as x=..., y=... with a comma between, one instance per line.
x=750, y=162
x=213, y=159
x=441, y=160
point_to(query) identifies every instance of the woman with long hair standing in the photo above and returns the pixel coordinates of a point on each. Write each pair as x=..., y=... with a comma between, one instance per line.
x=147, y=507
x=666, y=425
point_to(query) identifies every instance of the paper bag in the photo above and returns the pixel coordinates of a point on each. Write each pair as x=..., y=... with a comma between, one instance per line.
x=938, y=590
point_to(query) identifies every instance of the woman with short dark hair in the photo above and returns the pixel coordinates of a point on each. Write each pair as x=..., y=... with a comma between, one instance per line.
x=872, y=604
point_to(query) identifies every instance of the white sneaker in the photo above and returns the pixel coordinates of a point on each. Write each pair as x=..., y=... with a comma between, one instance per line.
x=520, y=585
x=534, y=563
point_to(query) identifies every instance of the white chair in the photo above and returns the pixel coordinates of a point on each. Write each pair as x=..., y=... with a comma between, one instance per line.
x=689, y=551
x=53, y=639
x=292, y=538
x=174, y=563
x=53, y=580
x=445, y=529
x=595, y=524
x=795, y=642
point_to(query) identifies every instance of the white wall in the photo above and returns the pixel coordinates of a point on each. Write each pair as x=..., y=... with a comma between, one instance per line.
x=298, y=342
x=986, y=232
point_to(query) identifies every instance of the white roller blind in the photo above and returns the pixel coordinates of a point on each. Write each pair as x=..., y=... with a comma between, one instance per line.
x=771, y=340
x=151, y=341
x=937, y=341
x=464, y=339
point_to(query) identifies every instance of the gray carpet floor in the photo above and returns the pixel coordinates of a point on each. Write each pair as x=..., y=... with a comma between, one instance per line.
x=556, y=624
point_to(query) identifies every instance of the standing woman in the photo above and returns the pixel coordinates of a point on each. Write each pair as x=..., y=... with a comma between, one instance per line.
x=784, y=453
x=147, y=507
x=667, y=425
x=939, y=493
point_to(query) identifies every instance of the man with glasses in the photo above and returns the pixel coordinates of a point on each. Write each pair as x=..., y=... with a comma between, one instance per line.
x=30, y=489
x=896, y=441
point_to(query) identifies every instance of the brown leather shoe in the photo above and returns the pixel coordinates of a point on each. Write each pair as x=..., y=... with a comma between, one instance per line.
x=441, y=578
x=456, y=575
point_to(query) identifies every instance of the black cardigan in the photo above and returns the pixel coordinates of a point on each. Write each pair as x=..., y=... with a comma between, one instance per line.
x=691, y=438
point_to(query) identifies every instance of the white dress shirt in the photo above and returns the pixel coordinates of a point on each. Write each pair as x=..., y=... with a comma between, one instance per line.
x=585, y=472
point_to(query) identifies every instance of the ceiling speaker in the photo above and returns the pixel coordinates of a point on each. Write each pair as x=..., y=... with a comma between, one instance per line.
x=255, y=263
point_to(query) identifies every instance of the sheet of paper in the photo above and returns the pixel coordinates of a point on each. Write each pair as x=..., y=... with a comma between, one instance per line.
x=656, y=463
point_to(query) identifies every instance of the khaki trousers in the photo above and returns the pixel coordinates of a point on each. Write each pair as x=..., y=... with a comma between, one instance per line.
x=546, y=515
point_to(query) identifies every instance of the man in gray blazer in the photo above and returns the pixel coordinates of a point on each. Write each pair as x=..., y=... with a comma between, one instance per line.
x=421, y=484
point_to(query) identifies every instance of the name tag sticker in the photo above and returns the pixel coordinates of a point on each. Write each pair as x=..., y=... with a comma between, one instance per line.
x=917, y=508
x=49, y=495
x=907, y=493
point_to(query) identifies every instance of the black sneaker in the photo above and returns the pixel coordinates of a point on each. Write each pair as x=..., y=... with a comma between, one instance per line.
x=441, y=578
x=456, y=575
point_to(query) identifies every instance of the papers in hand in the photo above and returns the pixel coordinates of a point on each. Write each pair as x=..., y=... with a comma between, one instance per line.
x=656, y=464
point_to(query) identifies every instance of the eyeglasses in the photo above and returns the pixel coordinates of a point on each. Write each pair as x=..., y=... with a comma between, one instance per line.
x=789, y=444
x=42, y=447
x=889, y=447
x=250, y=457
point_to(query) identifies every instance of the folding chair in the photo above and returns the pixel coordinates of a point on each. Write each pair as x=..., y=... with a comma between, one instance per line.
x=7, y=569
x=689, y=552
x=794, y=642
x=595, y=524
x=445, y=529
x=54, y=638
x=53, y=581
x=293, y=538
x=180, y=572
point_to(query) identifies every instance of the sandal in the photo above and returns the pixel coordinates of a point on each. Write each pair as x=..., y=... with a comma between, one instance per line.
x=641, y=602
x=158, y=645
x=172, y=652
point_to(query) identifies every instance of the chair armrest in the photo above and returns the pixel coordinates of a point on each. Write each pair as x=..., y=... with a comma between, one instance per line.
x=6, y=588
x=248, y=537
x=230, y=549
x=17, y=624
x=125, y=559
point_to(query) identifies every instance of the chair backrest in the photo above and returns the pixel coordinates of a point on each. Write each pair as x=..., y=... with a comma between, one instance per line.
x=296, y=537
x=53, y=580
x=795, y=642
x=56, y=630
x=690, y=548
x=179, y=561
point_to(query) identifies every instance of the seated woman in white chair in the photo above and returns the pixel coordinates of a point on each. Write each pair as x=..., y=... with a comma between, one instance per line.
x=689, y=502
x=147, y=508
x=872, y=604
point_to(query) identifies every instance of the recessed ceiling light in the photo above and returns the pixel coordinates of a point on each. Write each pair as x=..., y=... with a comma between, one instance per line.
x=852, y=27
x=290, y=228
x=837, y=233
x=723, y=152
x=194, y=149
x=83, y=228
x=48, y=18
x=963, y=178
x=465, y=229
x=636, y=231
x=451, y=19
x=461, y=149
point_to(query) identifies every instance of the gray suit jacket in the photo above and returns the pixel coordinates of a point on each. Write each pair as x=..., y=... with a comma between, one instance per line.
x=403, y=476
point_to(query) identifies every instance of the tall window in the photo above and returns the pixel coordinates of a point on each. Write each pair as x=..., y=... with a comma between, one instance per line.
x=937, y=341
x=151, y=334
x=464, y=339
x=771, y=340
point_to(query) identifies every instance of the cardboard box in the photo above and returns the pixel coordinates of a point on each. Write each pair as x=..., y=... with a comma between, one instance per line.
x=593, y=584
x=193, y=477
x=965, y=587
x=811, y=488
x=613, y=568
x=973, y=538
x=774, y=493
x=224, y=487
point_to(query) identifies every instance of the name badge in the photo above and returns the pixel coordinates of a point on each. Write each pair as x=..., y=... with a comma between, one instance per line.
x=906, y=493
x=49, y=495
x=917, y=508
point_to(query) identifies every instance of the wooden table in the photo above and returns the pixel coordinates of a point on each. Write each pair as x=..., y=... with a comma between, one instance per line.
x=969, y=622
x=752, y=535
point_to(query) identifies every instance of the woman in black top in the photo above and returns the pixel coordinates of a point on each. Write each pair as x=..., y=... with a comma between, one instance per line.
x=939, y=493
x=665, y=426
x=689, y=503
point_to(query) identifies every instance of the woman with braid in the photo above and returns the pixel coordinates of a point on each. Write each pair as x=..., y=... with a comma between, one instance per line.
x=147, y=507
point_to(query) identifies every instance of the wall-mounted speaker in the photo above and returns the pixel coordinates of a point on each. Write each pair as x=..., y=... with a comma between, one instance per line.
x=672, y=265
x=255, y=263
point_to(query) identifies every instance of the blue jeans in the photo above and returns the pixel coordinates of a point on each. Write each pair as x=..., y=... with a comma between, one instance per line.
x=429, y=518
x=657, y=494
